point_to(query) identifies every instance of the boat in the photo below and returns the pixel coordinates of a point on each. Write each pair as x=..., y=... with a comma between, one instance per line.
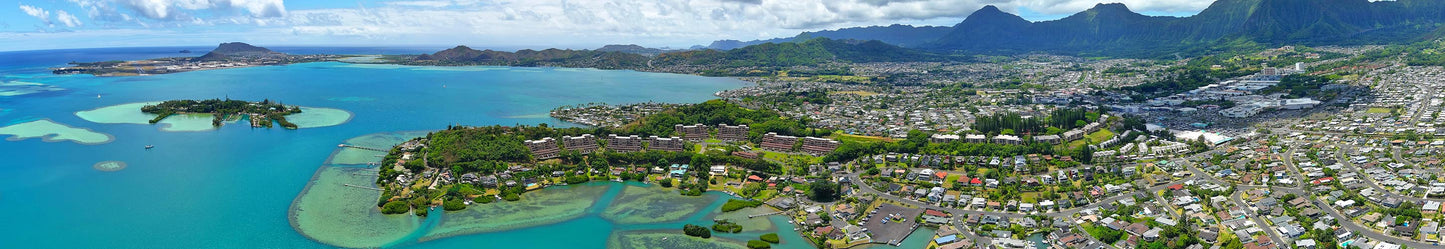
x=150, y=146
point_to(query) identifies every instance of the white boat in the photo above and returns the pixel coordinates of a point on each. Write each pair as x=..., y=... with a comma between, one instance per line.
x=150, y=146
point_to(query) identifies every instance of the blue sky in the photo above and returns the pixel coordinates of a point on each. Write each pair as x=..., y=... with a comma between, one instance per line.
x=57, y=24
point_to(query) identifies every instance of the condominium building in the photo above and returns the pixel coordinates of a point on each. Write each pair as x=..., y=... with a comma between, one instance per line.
x=586, y=143
x=732, y=133
x=774, y=142
x=543, y=149
x=664, y=143
x=624, y=144
x=819, y=146
x=696, y=132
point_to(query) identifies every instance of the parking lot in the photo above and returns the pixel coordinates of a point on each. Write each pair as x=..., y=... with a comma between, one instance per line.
x=891, y=230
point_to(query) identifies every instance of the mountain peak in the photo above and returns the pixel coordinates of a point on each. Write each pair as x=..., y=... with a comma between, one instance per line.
x=1101, y=7
x=988, y=9
x=238, y=47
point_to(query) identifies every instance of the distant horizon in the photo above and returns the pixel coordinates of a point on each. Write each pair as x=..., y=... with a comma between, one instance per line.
x=48, y=25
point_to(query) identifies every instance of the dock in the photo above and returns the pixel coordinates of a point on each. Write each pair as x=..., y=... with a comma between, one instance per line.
x=364, y=187
x=361, y=147
x=773, y=213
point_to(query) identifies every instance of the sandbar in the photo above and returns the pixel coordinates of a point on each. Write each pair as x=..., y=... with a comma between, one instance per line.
x=313, y=117
x=50, y=131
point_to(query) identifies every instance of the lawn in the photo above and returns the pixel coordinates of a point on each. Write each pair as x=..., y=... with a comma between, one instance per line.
x=1030, y=197
x=948, y=181
x=785, y=157
x=1381, y=110
x=1098, y=137
x=1101, y=135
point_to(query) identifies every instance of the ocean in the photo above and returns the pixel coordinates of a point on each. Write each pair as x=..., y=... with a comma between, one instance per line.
x=234, y=187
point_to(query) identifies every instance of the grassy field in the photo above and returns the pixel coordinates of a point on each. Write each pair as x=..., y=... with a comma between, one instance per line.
x=784, y=157
x=1101, y=135
x=948, y=181
x=1381, y=110
x=1098, y=136
x=841, y=137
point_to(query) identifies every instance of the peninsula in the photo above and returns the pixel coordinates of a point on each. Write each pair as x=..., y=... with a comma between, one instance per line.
x=226, y=55
x=261, y=113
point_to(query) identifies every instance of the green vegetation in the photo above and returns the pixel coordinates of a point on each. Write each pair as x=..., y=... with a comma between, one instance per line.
x=223, y=108
x=696, y=231
x=716, y=112
x=758, y=244
x=453, y=205
x=1013, y=123
x=823, y=191
x=736, y=204
x=395, y=207
x=726, y=226
x=1106, y=235
x=770, y=238
x=757, y=60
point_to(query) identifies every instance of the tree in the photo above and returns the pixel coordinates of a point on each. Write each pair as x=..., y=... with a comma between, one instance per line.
x=770, y=238
x=696, y=231
x=453, y=205
x=823, y=191
x=758, y=244
x=395, y=207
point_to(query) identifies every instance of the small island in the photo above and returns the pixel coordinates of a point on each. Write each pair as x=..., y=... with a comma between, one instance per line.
x=261, y=114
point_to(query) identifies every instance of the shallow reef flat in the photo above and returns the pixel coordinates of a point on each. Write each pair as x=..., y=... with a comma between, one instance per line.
x=313, y=117
x=648, y=204
x=757, y=224
x=655, y=240
x=331, y=212
x=50, y=131
x=118, y=114
x=552, y=205
x=17, y=88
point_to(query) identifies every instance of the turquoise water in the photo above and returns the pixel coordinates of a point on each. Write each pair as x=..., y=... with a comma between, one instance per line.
x=232, y=187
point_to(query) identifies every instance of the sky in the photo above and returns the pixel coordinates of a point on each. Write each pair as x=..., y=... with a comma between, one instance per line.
x=60, y=24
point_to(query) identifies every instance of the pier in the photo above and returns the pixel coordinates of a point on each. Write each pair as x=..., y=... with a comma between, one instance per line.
x=773, y=213
x=364, y=187
x=361, y=147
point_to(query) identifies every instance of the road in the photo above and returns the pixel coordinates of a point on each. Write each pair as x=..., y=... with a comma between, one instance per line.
x=1268, y=230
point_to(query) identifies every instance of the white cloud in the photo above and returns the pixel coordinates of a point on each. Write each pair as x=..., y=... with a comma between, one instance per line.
x=36, y=12
x=67, y=19
x=179, y=9
x=540, y=23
